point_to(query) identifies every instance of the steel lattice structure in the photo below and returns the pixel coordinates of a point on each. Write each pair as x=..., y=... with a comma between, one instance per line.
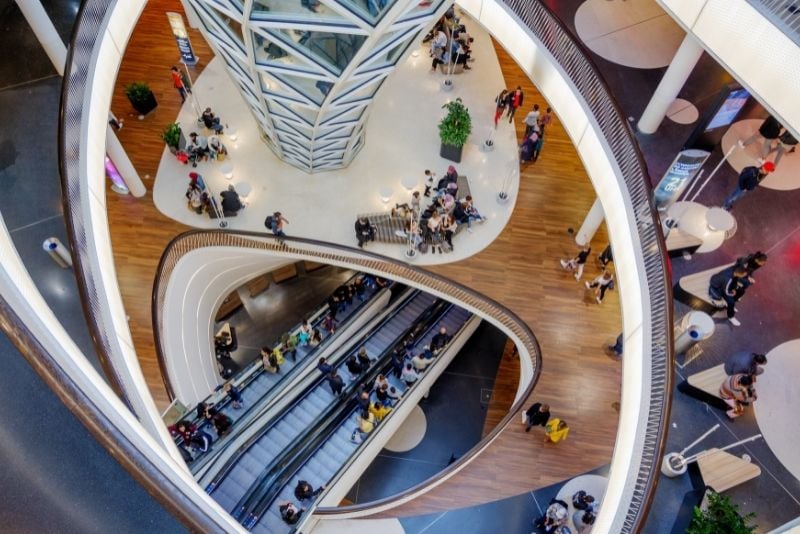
x=309, y=69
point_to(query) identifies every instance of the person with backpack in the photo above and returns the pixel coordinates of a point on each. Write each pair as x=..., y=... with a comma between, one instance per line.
x=275, y=224
x=364, y=231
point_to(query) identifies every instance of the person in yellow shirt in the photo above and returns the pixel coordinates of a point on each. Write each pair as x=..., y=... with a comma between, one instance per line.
x=556, y=430
x=278, y=355
x=379, y=410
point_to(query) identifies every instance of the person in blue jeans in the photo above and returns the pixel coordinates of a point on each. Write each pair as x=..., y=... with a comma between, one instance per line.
x=749, y=179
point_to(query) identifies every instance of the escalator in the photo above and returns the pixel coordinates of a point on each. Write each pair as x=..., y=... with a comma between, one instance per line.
x=232, y=485
x=322, y=459
x=258, y=387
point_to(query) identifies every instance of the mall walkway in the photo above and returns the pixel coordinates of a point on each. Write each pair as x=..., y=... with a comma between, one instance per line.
x=520, y=270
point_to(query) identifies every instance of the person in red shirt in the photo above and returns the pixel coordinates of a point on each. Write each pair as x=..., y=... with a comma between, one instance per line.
x=514, y=102
x=177, y=81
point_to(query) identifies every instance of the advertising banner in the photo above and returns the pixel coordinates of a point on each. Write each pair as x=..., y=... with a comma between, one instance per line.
x=182, y=38
x=683, y=169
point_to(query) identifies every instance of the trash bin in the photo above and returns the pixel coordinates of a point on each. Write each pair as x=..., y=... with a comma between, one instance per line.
x=58, y=252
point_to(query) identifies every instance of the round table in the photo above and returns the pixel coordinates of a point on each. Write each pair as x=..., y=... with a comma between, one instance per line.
x=409, y=182
x=244, y=189
x=386, y=194
x=692, y=219
x=720, y=220
x=701, y=321
x=226, y=168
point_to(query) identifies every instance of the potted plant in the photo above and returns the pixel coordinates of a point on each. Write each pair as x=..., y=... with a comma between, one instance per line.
x=454, y=129
x=719, y=515
x=141, y=97
x=172, y=136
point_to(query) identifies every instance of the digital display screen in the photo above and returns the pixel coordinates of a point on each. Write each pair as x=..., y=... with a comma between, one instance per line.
x=729, y=109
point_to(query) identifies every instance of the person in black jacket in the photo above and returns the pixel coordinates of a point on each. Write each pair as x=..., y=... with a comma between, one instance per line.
x=336, y=382
x=440, y=340
x=364, y=231
x=749, y=179
x=353, y=367
x=770, y=130
x=289, y=513
x=728, y=285
x=305, y=491
x=537, y=415
x=230, y=202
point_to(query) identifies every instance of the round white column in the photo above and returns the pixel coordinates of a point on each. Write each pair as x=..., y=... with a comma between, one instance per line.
x=590, y=224
x=45, y=32
x=670, y=85
x=123, y=164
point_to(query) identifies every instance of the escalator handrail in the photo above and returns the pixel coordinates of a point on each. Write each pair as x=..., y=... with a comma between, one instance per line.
x=382, y=367
x=231, y=462
x=255, y=494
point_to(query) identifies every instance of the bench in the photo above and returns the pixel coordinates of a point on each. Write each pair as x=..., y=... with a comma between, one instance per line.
x=257, y=285
x=705, y=385
x=231, y=303
x=679, y=242
x=391, y=228
x=722, y=470
x=284, y=273
x=692, y=290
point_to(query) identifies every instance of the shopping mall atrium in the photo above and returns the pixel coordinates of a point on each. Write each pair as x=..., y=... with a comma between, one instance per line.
x=400, y=266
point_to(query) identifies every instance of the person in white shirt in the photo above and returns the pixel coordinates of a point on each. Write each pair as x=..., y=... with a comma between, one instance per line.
x=532, y=120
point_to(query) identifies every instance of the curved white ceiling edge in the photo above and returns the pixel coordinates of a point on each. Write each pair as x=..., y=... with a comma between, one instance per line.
x=20, y=292
x=606, y=177
x=196, y=288
x=594, y=152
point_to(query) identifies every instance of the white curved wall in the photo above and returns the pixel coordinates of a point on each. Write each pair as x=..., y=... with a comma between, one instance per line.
x=198, y=285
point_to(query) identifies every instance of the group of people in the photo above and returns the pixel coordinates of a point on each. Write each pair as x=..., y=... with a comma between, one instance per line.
x=200, y=201
x=450, y=43
x=603, y=281
x=508, y=102
x=303, y=491
x=202, y=148
x=538, y=414
x=533, y=139
x=727, y=287
x=434, y=225
x=738, y=389
x=556, y=517
x=193, y=438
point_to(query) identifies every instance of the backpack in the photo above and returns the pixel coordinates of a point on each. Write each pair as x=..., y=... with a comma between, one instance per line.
x=269, y=221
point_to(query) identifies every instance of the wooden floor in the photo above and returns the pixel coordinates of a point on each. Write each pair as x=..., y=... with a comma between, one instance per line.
x=520, y=270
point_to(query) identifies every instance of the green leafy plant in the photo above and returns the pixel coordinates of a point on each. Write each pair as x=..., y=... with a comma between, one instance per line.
x=172, y=135
x=138, y=93
x=456, y=125
x=720, y=516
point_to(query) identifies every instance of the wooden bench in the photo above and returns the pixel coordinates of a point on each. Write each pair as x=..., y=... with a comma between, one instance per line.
x=313, y=266
x=705, y=385
x=258, y=285
x=722, y=470
x=679, y=242
x=692, y=290
x=231, y=303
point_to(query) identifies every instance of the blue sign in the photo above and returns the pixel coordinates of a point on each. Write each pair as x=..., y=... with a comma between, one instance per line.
x=683, y=169
x=182, y=38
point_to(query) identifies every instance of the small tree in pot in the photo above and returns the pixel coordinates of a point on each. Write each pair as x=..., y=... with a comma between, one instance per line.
x=720, y=515
x=454, y=129
x=141, y=97
x=172, y=136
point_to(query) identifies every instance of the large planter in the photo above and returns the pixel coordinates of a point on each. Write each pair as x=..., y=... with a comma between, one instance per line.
x=145, y=104
x=451, y=152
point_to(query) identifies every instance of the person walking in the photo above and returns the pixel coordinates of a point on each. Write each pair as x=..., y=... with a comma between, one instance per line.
x=750, y=178
x=276, y=223
x=336, y=382
x=545, y=119
x=514, y=103
x=577, y=263
x=556, y=430
x=177, y=82
x=600, y=285
x=501, y=102
x=537, y=415
x=616, y=348
x=770, y=130
x=532, y=120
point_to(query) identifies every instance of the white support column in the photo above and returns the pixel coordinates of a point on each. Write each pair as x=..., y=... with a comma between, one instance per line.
x=590, y=224
x=682, y=65
x=45, y=32
x=123, y=164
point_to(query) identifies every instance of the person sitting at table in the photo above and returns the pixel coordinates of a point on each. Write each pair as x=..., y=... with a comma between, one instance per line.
x=211, y=121
x=583, y=521
x=216, y=149
x=554, y=517
x=195, y=198
x=230, y=202
x=197, y=148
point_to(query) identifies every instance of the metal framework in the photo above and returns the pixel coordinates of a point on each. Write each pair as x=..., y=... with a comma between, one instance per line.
x=309, y=69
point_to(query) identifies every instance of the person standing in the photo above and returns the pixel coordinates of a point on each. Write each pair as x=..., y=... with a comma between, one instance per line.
x=515, y=102
x=276, y=223
x=770, y=130
x=501, y=102
x=750, y=178
x=532, y=120
x=556, y=430
x=606, y=256
x=364, y=231
x=177, y=82
x=600, y=285
x=336, y=382
x=616, y=348
x=537, y=415
x=578, y=262
x=727, y=285
x=545, y=119
x=745, y=362
x=537, y=146
x=737, y=391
